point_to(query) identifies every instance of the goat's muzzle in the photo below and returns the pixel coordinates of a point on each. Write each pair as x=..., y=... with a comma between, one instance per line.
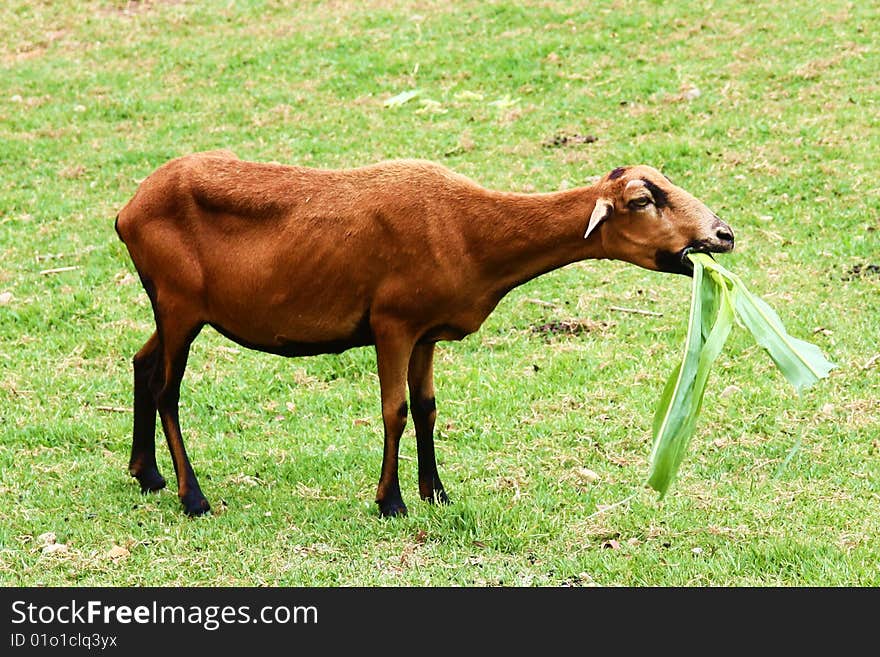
x=721, y=241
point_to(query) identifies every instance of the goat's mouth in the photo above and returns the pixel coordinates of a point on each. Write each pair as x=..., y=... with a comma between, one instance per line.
x=687, y=265
x=678, y=262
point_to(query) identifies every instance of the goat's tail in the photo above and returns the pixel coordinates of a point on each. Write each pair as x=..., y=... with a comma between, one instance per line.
x=116, y=227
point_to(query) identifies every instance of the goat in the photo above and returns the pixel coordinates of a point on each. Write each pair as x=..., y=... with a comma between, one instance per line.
x=399, y=255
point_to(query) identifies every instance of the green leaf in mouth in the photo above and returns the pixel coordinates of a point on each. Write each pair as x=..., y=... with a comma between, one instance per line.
x=718, y=297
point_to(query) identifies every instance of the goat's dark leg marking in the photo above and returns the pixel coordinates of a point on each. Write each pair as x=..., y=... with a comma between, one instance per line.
x=142, y=464
x=176, y=338
x=424, y=413
x=393, y=349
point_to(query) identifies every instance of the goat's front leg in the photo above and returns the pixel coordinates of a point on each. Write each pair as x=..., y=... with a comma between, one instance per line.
x=393, y=349
x=424, y=413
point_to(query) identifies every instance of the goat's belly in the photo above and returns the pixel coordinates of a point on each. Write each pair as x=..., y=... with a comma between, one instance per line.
x=308, y=334
x=286, y=347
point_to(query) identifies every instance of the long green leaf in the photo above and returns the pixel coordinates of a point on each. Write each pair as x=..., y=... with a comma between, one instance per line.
x=801, y=362
x=718, y=298
x=682, y=399
x=669, y=413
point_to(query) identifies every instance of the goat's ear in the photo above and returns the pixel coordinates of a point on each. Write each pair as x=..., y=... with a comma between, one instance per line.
x=601, y=212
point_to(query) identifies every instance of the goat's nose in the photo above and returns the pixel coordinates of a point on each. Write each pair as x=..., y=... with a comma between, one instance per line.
x=723, y=232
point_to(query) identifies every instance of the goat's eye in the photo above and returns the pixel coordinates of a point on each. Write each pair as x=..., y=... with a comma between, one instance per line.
x=639, y=203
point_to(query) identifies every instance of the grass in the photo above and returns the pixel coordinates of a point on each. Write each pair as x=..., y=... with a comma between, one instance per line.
x=776, y=489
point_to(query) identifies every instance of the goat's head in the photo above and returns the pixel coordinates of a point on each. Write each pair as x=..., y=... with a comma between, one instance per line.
x=642, y=218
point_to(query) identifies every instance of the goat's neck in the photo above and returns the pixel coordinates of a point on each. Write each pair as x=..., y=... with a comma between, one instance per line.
x=522, y=236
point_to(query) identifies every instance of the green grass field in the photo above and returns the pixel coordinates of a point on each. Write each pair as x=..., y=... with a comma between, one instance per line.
x=766, y=111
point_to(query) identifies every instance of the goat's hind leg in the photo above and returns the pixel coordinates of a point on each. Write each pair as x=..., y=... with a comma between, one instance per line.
x=142, y=464
x=177, y=335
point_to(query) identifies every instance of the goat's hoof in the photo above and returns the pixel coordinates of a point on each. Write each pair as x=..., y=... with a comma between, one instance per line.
x=150, y=480
x=437, y=495
x=392, y=509
x=195, y=504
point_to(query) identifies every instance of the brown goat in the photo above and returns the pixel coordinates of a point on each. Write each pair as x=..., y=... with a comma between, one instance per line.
x=402, y=254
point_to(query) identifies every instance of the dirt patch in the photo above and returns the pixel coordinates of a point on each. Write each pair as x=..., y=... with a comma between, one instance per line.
x=563, y=139
x=31, y=50
x=140, y=6
x=861, y=271
x=570, y=327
